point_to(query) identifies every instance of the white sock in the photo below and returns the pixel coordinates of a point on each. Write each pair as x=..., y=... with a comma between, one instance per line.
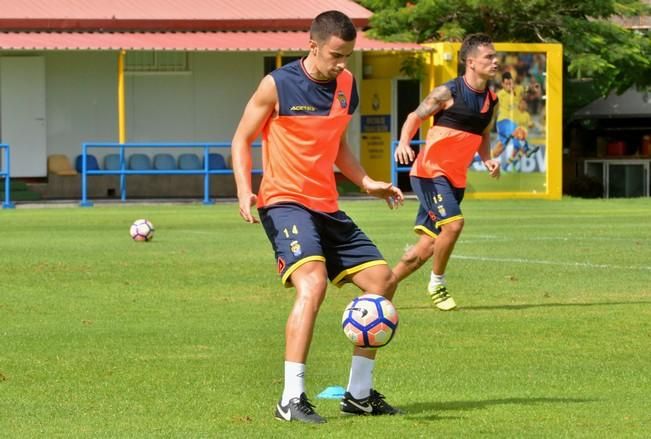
x=361, y=377
x=294, y=381
x=436, y=279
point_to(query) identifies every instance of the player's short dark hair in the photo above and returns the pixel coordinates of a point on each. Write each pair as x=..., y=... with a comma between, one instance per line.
x=471, y=43
x=332, y=24
x=506, y=75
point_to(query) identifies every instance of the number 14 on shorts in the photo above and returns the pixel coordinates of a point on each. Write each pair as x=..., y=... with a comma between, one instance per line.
x=294, y=231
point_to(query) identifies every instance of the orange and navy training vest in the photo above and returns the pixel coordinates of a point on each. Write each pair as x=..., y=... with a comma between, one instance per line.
x=301, y=142
x=454, y=139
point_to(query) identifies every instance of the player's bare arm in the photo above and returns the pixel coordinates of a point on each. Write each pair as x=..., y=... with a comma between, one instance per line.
x=352, y=169
x=438, y=99
x=259, y=108
x=492, y=165
x=434, y=102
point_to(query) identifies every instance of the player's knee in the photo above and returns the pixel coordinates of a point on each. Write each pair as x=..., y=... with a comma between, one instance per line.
x=392, y=282
x=311, y=289
x=310, y=299
x=389, y=284
x=454, y=227
x=418, y=254
x=410, y=257
x=426, y=249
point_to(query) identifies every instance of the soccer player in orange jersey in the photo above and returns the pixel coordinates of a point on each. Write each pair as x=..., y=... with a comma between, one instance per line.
x=302, y=111
x=463, y=111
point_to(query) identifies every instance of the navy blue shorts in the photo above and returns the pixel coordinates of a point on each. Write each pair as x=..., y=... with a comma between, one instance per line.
x=505, y=128
x=440, y=203
x=299, y=235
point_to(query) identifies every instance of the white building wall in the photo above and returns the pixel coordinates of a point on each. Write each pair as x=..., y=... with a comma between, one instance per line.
x=204, y=104
x=81, y=100
x=224, y=83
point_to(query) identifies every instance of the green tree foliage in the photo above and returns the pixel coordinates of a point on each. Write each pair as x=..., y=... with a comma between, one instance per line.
x=612, y=57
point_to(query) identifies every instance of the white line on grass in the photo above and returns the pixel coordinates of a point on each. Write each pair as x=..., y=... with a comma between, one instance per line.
x=543, y=262
x=478, y=238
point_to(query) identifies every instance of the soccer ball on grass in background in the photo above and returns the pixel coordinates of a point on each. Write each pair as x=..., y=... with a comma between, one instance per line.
x=370, y=321
x=142, y=230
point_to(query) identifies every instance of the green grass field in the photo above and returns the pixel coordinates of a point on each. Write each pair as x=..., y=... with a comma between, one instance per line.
x=183, y=337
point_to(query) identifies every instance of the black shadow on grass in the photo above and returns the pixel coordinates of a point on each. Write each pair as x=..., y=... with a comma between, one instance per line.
x=526, y=306
x=431, y=411
x=419, y=408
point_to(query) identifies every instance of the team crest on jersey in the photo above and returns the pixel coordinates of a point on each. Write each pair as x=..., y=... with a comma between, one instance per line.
x=341, y=97
x=295, y=247
x=281, y=265
x=441, y=210
x=432, y=216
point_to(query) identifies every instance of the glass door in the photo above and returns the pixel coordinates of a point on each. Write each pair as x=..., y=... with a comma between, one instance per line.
x=627, y=179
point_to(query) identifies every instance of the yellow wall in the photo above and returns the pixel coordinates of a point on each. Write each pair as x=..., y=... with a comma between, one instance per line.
x=384, y=65
x=441, y=60
x=376, y=93
x=444, y=68
x=375, y=147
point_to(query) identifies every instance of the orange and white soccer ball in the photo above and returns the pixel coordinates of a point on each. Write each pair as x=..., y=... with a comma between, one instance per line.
x=370, y=321
x=142, y=230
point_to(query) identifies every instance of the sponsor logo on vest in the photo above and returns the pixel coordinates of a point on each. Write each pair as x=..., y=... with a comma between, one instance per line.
x=302, y=108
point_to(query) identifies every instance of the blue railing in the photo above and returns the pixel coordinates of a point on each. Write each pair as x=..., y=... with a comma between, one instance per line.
x=123, y=171
x=6, y=173
x=395, y=168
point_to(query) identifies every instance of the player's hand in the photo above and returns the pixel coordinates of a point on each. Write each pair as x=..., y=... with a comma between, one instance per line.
x=493, y=167
x=246, y=202
x=404, y=154
x=388, y=192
